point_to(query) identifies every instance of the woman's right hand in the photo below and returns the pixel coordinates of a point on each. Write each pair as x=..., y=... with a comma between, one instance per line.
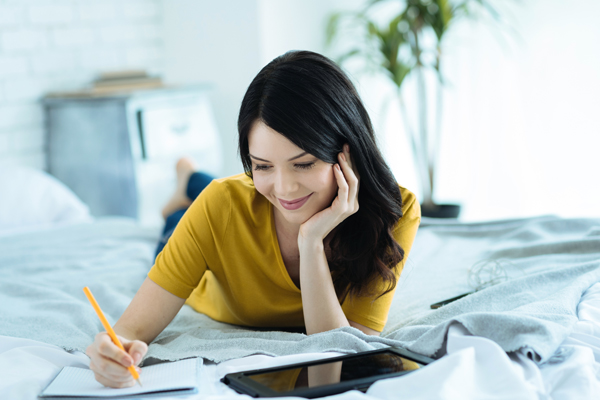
x=110, y=363
x=150, y=311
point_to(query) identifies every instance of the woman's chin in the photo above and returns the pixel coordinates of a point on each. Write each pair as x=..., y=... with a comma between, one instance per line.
x=296, y=217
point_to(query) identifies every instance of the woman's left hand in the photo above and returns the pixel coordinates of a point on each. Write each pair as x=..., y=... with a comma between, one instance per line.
x=345, y=204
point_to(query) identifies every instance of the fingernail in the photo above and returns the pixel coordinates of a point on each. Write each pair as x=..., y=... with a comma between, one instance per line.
x=136, y=357
x=126, y=361
x=343, y=157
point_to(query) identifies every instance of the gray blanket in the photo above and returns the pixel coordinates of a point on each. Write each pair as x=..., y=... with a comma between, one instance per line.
x=548, y=263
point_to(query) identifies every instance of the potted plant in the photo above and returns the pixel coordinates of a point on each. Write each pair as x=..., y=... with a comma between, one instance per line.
x=409, y=43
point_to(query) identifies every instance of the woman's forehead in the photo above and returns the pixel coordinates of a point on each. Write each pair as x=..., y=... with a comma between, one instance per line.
x=268, y=144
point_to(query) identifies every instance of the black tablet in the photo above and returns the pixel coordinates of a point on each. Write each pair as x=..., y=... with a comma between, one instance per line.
x=329, y=376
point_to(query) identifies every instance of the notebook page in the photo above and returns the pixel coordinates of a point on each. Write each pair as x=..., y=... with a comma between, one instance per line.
x=72, y=381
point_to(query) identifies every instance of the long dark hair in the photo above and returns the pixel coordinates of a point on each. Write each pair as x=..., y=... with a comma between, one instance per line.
x=308, y=99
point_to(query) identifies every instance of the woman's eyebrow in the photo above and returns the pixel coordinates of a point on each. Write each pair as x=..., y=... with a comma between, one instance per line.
x=291, y=159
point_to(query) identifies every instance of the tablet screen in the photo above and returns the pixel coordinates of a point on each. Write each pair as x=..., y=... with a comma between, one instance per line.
x=335, y=372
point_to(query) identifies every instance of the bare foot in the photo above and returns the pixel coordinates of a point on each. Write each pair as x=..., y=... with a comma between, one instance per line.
x=185, y=168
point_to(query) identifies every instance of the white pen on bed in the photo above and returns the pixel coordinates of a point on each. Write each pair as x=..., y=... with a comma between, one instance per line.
x=109, y=330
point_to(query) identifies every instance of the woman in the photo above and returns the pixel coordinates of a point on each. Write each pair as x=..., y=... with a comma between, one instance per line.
x=285, y=244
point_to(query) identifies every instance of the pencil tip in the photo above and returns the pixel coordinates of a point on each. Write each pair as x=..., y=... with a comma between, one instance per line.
x=139, y=381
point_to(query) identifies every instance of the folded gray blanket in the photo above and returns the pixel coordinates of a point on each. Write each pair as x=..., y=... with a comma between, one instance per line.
x=42, y=276
x=533, y=314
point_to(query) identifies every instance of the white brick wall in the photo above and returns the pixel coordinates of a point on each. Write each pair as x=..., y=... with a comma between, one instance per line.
x=10, y=15
x=48, y=46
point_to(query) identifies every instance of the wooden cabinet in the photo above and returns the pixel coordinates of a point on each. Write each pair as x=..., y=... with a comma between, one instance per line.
x=118, y=153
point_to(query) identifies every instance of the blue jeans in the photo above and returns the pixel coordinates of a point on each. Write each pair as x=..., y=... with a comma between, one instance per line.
x=197, y=182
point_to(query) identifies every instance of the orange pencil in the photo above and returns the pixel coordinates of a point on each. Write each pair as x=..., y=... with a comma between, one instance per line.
x=109, y=330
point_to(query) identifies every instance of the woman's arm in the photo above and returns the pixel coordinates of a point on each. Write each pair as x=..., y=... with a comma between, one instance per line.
x=322, y=310
x=366, y=330
x=150, y=311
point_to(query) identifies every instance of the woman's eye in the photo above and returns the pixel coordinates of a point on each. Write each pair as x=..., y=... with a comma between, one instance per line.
x=261, y=167
x=305, y=166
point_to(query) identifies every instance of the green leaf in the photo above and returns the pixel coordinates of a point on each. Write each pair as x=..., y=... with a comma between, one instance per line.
x=399, y=73
x=332, y=27
x=373, y=29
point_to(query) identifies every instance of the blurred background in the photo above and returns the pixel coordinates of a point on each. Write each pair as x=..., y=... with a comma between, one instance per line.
x=520, y=132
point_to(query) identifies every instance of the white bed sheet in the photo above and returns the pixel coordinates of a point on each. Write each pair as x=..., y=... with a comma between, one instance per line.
x=474, y=368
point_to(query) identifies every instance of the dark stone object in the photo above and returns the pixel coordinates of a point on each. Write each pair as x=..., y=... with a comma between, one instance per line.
x=440, y=211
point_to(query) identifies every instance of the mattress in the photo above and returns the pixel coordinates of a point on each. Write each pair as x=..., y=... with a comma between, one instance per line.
x=447, y=259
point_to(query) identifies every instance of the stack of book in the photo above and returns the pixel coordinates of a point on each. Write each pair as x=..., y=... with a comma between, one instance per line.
x=125, y=81
x=117, y=82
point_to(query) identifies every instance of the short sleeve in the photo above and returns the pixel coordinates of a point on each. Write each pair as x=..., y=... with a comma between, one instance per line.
x=374, y=313
x=181, y=264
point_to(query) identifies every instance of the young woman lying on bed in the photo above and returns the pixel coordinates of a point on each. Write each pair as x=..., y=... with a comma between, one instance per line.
x=285, y=244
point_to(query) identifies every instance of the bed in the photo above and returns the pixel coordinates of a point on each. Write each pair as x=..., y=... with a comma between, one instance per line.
x=531, y=329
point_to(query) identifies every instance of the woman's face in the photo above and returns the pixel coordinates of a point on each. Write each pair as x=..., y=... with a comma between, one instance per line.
x=297, y=183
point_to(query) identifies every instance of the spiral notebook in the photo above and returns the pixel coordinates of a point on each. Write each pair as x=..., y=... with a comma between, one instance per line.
x=166, y=379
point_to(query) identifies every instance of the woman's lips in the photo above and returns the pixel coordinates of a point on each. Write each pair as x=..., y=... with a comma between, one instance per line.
x=294, y=204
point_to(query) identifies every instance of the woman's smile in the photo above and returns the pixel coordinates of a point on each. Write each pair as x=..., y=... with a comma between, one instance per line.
x=294, y=204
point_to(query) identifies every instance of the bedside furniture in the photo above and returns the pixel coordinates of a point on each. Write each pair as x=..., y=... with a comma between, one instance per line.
x=118, y=152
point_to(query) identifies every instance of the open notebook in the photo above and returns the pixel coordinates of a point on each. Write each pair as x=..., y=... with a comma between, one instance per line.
x=166, y=379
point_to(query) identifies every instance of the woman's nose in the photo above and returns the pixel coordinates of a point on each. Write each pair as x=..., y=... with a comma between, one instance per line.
x=285, y=184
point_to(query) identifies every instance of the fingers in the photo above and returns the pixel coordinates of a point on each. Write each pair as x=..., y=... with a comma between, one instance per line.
x=346, y=164
x=343, y=188
x=346, y=155
x=137, y=350
x=348, y=158
x=112, y=374
x=351, y=179
x=108, y=349
x=110, y=363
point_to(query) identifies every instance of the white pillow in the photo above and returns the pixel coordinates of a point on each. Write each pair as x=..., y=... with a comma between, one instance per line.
x=31, y=198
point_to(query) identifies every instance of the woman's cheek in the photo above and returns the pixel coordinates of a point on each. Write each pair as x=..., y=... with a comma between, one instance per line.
x=261, y=185
x=331, y=176
x=328, y=183
x=331, y=180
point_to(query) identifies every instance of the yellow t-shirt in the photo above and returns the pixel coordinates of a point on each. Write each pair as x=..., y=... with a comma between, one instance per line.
x=224, y=258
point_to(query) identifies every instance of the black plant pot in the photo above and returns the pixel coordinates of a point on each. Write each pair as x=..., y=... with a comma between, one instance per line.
x=440, y=211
